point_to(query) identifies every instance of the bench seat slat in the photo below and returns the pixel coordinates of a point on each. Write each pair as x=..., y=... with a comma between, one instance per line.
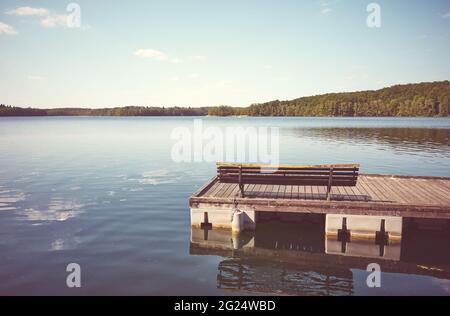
x=301, y=173
x=300, y=183
x=227, y=169
x=281, y=177
x=334, y=166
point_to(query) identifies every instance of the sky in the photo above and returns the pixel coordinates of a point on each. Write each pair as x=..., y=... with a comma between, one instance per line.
x=210, y=52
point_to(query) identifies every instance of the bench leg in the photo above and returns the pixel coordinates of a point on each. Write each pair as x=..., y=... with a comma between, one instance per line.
x=330, y=183
x=329, y=193
x=241, y=188
x=241, y=185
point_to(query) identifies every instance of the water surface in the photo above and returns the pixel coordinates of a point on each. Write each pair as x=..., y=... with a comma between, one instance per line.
x=105, y=193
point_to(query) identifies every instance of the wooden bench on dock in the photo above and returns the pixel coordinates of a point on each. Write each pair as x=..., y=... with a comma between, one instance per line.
x=345, y=175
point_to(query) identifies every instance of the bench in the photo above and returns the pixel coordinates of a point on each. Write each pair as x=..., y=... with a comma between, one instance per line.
x=345, y=175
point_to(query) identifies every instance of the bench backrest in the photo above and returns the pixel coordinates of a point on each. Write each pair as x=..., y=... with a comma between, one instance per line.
x=316, y=175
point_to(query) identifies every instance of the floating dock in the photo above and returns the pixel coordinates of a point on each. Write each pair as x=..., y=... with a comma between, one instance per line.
x=383, y=200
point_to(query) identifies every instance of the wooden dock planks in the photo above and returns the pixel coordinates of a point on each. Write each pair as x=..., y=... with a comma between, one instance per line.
x=406, y=196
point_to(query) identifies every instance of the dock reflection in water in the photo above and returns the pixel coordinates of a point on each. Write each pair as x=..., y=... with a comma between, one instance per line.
x=298, y=259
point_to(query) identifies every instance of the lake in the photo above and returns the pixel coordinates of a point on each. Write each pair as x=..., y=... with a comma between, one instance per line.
x=106, y=193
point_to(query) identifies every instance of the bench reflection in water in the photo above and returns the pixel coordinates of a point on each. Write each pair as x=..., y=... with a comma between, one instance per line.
x=282, y=278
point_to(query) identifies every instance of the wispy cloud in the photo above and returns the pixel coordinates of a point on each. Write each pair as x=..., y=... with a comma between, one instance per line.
x=27, y=11
x=7, y=29
x=268, y=67
x=55, y=20
x=157, y=55
x=326, y=10
x=36, y=78
x=152, y=53
x=48, y=19
x=327, y=6
x=446, y=16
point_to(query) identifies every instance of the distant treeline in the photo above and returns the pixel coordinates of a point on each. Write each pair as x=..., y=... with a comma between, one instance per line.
x=16, y=111
x=118, y=111
x=422, y=99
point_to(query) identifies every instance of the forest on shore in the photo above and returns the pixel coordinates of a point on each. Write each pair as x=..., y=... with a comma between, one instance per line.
x=427, y=99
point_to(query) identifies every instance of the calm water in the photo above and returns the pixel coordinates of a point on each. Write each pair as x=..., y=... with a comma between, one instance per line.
x=105, y=193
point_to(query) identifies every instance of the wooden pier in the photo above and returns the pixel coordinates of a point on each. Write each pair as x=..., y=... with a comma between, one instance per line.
x=365, y=221
x=374, y=195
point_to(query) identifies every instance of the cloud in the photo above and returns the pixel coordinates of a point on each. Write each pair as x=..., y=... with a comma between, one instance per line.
x=36, y=78
x=27, y=11
x=327, y=6
x=157, y=55
x=55, y=20
x=268, y=67
x=446, y=16
x=7, y=29
x=48, y=20
x=152, y=53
